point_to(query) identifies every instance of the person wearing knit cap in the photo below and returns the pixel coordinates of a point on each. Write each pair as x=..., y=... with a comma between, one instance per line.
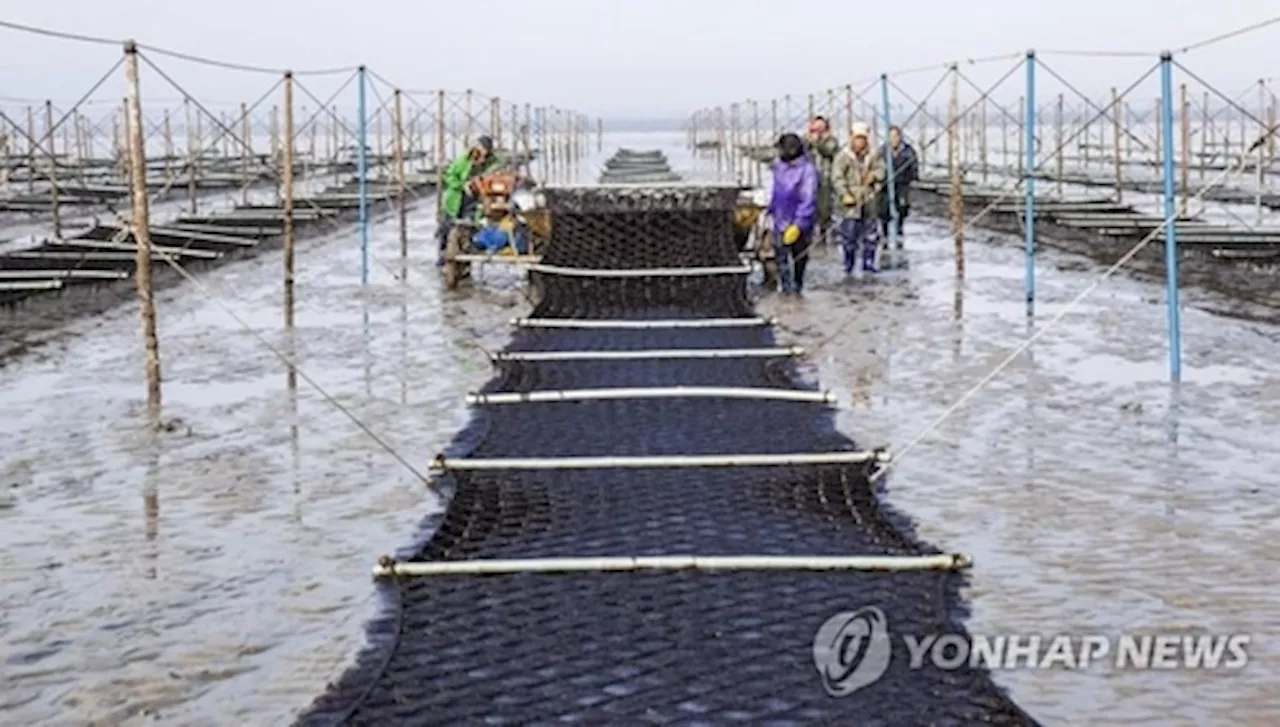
x=858, y=175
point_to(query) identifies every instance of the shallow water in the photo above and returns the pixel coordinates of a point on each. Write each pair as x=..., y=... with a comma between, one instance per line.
x=220, y=574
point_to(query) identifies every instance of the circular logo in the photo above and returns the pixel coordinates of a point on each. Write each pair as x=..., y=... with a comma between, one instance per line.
x=851, y=650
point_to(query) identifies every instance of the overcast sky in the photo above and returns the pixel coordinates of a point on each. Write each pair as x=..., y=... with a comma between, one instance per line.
x=624, y=57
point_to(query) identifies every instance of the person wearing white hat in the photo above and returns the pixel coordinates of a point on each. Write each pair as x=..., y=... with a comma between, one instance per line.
x=857, y=177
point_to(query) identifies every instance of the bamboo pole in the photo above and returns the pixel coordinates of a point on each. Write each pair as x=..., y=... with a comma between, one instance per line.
x=953, y=161
x=31, y=150
x=922, y=148
x=440, y=150
x=401, y=212
x=191, y=154
x=848, y=109
x=336, y=145
x=246, y=151
x=1263, y=133
x=286, y=196
x=495, y=109
x=140, y=223
x=1184, y=141
x=1004, y=142
x=1022, y=125
x=982, y=138
x=51, y=138
x=168, y=147
x=1060, y=143
x=1159, y=145
x=1117, y=126
x=4, y=160
x=810, y=109
x=466, y=111
x=1204, y=136
x=773, y=112
x=734, y=157
x=1271, y=124
x=81, y=156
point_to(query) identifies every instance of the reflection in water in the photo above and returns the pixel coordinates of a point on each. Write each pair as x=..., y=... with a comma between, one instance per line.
x=957, y=351
x=1031, y=388
x=151, y=512
x=404, y=330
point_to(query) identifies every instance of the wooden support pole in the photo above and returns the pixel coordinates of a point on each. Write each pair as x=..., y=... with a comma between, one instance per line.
x=286, y=197
x=140, y=225
x=401, y=212
x=50, y=139
x=1117, y=127
x=953, y=161
x=773, y=114
x=1184, y=123
x=810, y=109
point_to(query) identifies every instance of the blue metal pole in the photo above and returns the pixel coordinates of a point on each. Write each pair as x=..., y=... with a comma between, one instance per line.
x=1029, y=183
x=1171, y=217
x=888, y=162
x=362, y=170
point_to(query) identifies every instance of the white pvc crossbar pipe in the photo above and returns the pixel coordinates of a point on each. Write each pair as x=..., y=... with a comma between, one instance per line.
x=661, y=461
x=48, y=274
x=948, y=561
x=31, y=285
x=673, y=353
x=640, y=272
x=654, y=392
x=510, y=259
x=643, y=324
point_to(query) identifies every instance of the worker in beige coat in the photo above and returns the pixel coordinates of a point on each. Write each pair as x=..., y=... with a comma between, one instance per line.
x=857, y=177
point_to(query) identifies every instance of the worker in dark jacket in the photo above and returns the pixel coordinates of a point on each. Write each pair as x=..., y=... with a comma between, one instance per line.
x=821, y=146
x=906, y=170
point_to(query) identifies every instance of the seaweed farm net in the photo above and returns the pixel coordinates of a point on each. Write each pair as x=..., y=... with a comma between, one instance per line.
x=650, y=647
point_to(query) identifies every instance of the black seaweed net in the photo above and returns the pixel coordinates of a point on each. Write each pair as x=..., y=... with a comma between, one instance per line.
x=653, y=647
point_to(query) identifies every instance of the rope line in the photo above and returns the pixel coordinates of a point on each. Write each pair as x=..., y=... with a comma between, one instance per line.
x=99, y=40
x=1021, y=348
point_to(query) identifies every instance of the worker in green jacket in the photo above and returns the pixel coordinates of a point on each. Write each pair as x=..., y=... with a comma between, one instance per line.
x=459, y=194
x=822, y=146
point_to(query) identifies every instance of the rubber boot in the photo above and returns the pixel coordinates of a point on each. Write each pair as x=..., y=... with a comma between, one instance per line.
x=869, y=257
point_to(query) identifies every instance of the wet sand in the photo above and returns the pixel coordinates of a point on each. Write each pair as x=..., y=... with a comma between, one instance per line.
x=219, y=575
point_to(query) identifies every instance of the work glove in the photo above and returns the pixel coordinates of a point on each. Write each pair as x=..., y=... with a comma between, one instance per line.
x=790, y=235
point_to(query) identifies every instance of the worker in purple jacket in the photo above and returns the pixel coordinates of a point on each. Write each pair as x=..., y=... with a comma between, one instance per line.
x=793, y=206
